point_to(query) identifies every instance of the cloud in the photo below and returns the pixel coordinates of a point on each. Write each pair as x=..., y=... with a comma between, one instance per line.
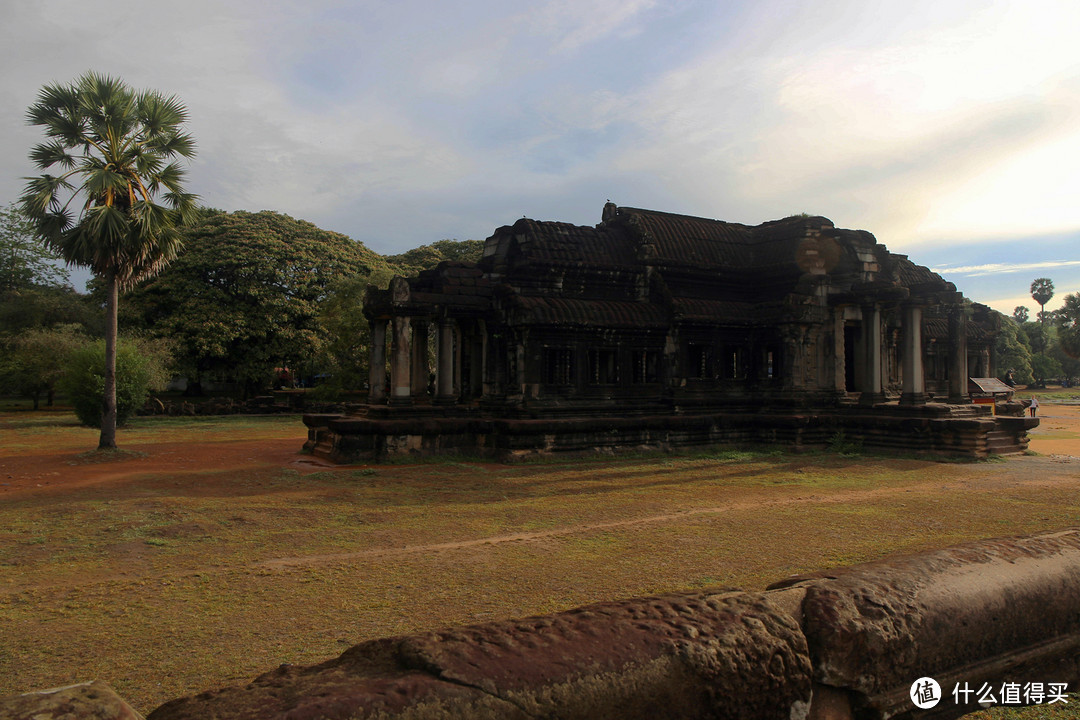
x=925, y=122
x=1001, y=268
x=574, y=23
x=896, y=132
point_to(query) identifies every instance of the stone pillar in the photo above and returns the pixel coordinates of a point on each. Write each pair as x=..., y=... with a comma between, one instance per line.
x=421, y=373
x=839, y=354
x=400, y=371
x=871, y=327
x=458, y=347
x=958, y=368
x=476, y=362
x=792, y=357
x=444, y=377
x=377, y=371
x=914, y=376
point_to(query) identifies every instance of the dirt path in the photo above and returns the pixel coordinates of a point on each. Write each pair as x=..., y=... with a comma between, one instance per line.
x=1033, y=472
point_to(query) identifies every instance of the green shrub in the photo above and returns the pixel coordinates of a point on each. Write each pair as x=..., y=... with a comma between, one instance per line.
x=140, y=367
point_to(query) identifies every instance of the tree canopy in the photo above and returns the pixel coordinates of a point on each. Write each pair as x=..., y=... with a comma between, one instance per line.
x=1042, y=290
x=245, y=296
x=1068, y=318
x=24, y=262
x=424, y=257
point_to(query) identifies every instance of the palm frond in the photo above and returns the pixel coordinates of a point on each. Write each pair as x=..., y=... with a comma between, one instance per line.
x=45, y=155
x=170, y=144
x=185, y=205
x=160, y=114
x=104, y=184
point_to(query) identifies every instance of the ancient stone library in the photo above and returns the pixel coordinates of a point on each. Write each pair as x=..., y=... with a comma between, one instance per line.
x=659, y=331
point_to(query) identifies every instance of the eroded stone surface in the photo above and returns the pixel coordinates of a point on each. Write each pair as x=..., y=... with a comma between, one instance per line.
x=727, y=655
x=989, y=611
x=85, y=701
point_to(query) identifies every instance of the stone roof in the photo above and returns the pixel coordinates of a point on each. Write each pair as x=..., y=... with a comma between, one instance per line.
x=532, y=242
x=547, y=310
x=691, y=241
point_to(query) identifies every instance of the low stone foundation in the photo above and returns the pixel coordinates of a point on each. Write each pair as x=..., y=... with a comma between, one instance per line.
x=971, y=431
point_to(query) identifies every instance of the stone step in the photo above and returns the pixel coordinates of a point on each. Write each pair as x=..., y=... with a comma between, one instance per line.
x=1002, y=442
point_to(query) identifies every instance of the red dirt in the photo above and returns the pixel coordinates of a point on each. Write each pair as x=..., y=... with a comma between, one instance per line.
x=1058, y=434
x=67, y=470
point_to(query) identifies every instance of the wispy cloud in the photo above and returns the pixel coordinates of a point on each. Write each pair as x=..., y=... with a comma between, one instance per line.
x=397, y=123
x=1002, y=268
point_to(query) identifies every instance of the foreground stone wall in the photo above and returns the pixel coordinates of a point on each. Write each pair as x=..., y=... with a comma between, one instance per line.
x=834, y=645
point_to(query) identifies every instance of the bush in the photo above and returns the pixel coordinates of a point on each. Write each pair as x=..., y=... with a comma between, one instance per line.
x=140, y=367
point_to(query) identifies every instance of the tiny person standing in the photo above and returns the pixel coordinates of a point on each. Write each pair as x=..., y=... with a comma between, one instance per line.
x=1033, y=406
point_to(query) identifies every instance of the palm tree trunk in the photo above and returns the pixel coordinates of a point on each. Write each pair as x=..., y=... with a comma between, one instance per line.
x=108, y=402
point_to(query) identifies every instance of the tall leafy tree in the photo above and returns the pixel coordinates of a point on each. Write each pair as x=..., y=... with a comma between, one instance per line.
x=1021, y=314
x=1069, y=325
x=1013, y=352
x=34, y=360
x=247, y=295
x=24, y=262
x=117, y=202
x=1042, y=289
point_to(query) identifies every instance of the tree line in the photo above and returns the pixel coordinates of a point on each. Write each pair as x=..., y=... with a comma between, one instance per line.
x=250, y=293
x=1046, y=348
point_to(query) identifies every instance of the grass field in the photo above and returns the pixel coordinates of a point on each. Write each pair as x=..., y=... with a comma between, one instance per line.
x=209, y=551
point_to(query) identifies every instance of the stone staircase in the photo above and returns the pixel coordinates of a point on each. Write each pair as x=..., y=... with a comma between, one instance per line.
x=1003, y=442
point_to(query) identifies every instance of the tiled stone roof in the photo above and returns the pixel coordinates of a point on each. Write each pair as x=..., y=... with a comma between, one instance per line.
x=559, y=243
x=691, y=241
x=714, y=311
x=590, y=313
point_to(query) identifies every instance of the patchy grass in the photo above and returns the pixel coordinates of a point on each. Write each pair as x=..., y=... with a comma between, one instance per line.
x=199, y=575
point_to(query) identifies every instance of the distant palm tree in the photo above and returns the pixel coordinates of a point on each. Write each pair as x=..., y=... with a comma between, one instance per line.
x=1042, y=289
x=118, y=204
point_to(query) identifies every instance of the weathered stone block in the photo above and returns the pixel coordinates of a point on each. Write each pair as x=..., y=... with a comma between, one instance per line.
x=703, y=655
x=85, y=701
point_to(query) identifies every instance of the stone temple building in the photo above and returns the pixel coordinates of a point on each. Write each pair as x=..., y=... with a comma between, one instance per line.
x=655, y=330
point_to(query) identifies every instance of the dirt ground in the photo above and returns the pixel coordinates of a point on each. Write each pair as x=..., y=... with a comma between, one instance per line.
x=205, y=554
x=1057, y=438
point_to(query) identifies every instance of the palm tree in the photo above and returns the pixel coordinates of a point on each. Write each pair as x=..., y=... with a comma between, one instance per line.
x=118, y=204
x=1042, y=289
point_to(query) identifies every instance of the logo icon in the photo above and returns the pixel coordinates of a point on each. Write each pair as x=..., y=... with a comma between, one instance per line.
x=925, y=693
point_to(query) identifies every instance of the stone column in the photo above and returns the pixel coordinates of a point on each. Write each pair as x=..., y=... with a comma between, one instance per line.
x=839, y=354
x=871, y=327
x=958, y=369
x=914, y=376
x=400, y=371
x=377, y=371
x=444, y=378
x=421, y=373
x=458, y=347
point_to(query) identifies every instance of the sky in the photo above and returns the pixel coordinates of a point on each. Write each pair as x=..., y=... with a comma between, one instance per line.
x=948, y=128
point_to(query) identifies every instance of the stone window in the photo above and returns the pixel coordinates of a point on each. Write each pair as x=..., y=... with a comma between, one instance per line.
x=646, y=366
x=558, y=366
x=733, y=368
x=697, y=360
x=603, y=367
x=771, y=363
